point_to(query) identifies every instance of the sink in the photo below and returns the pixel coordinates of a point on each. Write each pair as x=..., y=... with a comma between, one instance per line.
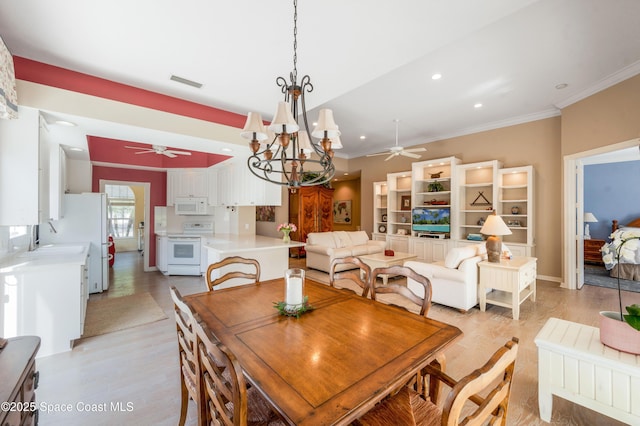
x=54, y=250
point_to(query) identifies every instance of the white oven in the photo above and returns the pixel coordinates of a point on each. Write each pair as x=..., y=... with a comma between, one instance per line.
x=183, y=255
x=184, y=251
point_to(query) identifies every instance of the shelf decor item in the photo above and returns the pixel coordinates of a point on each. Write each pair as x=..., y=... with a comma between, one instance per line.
x=384, y=217
x=382, y=229
x=515, y=210
x=405, y=202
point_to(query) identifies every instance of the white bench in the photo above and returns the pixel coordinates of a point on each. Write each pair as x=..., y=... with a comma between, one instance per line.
x=573, y=364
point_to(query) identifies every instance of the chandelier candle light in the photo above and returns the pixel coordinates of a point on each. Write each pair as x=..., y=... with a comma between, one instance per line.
x=283, y=152
x=494, y=226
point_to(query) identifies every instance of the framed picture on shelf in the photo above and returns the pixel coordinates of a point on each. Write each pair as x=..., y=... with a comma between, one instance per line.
x=405, y=202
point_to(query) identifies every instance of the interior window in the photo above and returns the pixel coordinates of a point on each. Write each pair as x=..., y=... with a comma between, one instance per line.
x=121, y=212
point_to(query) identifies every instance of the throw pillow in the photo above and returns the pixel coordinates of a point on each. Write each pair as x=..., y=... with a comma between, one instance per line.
x=342, y=239
x=358, y=238
x=457, y=255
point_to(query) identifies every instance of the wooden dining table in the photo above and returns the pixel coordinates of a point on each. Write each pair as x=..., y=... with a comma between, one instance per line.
x=332, y=364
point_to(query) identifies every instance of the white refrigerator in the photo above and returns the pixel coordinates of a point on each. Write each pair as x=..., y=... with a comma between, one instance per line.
x=84, y=219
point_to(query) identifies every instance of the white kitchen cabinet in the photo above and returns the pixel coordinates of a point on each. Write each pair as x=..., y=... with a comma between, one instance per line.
x=57, y=180
x=187, y=183
x=162, y=248
x=237, y=186
x=24, y=169
x=49, y=301
x=212, y=196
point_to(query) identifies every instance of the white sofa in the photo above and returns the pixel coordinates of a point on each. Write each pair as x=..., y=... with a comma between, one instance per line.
x=323, y=247
x=454, y=281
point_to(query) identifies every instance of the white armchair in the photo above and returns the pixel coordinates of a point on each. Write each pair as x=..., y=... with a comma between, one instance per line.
x=454, y=281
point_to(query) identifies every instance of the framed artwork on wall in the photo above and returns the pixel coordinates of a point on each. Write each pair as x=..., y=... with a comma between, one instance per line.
x=342, y=211
x=265, y=213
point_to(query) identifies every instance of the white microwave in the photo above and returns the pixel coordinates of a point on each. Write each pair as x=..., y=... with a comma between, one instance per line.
x=190, y=205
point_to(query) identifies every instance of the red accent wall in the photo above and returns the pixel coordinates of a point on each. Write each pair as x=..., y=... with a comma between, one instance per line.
x=62, y=78
x=157, y=196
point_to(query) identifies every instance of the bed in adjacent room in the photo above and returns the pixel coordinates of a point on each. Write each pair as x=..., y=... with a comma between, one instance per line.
x=629, y=265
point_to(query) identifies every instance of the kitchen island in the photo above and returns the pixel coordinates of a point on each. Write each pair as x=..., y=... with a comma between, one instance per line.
x=271, y=253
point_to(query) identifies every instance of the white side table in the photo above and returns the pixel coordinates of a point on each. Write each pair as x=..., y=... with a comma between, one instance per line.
x=512, y=281
x=573, y=364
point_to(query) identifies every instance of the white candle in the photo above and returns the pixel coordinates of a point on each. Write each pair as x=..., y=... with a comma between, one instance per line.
x=294, y=291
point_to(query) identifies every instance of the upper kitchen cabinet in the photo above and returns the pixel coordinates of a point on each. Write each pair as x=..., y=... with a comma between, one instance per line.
x=24, y=169
x=186, y=183
x=237, y=186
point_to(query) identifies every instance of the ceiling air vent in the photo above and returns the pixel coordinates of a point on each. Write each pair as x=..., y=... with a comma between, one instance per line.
x=186, y=81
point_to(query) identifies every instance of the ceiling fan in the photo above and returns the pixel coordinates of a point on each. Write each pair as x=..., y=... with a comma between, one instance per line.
x=395, y=151
x=159, y=149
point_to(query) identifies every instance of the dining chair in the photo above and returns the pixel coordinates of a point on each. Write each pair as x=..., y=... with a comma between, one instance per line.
x=423, y=302
x=226, y=398
x=463, y=404
x=358, y=276
x=189, y=368
x=238, y=262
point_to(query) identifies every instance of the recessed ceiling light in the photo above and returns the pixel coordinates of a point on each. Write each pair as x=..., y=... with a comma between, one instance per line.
x=75, y=148
x=561, y=86
x=346, y=174
x=478, y=105
x=436, y=76
x=363, y=137
x=227, y=150
x=65, y=123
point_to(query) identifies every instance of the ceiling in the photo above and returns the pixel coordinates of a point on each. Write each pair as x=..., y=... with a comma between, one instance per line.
x=371, y=62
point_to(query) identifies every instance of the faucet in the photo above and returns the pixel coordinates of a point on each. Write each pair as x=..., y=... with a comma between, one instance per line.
x=33, y=238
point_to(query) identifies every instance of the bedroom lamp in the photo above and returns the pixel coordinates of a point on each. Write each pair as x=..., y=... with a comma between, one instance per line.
x=494, y=226
x=588, y=218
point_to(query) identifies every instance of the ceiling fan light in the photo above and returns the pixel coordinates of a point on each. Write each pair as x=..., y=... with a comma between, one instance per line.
x=326, y=125
x=283, y=121
x=254, y=128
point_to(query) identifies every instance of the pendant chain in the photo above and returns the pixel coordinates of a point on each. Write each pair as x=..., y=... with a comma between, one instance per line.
x=295, y=40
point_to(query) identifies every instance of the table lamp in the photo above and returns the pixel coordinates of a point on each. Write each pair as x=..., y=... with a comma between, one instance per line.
x=494, y=226
x=588, y=218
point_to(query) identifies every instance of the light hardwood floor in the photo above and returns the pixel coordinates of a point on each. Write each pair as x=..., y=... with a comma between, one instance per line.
x=138, y=368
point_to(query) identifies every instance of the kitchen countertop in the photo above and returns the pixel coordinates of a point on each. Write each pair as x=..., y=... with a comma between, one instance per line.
x=237, y=243
x=45, y=256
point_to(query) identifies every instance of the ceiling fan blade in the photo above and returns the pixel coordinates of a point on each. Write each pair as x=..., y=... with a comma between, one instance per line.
x=391, y=156
x=379, y=153
x=178, y=152
x=149, y=151
x=168, y=154
x=138, y=147
x=408, y=154
x=416, y=150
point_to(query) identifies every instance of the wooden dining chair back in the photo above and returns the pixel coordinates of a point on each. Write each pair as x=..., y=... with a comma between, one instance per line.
x=189, y=367
x=493, y=379
x=424, y=303
x=464, y=403
x=357, y=272
x=249, y=269
x=226, y=398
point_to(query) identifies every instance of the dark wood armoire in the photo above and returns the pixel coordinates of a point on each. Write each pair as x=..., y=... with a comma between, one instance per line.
x=311, y=209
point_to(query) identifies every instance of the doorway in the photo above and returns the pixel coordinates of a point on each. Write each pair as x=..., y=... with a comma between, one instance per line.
x=126, y=226
x=573, y=207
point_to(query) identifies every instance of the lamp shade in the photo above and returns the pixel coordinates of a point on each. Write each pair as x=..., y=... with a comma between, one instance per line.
x=325, y=124
x=283, y=121
x=254, y=128
x=589, y=217
x=304, y=143
x=494, y=225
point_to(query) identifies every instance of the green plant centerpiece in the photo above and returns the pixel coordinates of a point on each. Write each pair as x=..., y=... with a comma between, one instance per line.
x=284, y=310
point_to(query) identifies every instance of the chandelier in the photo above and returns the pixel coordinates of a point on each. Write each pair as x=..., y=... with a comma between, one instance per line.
x=283, y=152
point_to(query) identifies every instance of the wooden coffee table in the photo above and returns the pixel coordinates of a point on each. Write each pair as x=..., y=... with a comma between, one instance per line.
x=379, y=260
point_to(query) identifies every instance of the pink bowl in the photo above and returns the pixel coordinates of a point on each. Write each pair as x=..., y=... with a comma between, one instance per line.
x=618, y=334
